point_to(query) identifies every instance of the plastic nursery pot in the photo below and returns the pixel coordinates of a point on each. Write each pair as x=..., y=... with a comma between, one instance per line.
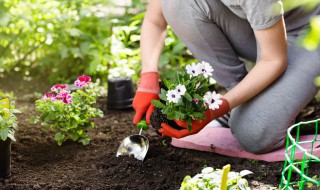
x=295, y=173
x=157, y=117
x=5, y=158
x=120, y=93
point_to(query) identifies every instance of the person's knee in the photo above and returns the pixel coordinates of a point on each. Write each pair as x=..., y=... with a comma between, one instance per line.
x=260, y=143
x=257, y=136
x=257, y=147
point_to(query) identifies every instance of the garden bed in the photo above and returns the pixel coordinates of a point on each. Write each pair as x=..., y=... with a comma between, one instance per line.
x=39, y=163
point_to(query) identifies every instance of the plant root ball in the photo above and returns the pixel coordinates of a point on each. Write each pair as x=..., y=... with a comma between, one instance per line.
x=157, y=118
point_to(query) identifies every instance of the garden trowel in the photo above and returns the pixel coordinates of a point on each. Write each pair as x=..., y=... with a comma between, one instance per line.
x=136, y=145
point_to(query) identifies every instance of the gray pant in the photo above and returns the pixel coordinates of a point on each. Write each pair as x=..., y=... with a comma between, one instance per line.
x=215, y=35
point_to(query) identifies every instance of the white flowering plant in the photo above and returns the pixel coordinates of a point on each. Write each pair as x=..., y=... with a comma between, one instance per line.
x=69, y=113
x=211, y=179
x=187, y=96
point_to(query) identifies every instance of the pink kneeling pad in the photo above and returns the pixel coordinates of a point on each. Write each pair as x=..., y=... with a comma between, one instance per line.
x=221, y=141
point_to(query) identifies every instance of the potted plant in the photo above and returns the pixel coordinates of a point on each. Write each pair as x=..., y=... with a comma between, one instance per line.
x=186, y=97
x=8, y=126
x=69, y=113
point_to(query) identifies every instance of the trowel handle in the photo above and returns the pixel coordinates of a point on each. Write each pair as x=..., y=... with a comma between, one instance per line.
x=142, y=123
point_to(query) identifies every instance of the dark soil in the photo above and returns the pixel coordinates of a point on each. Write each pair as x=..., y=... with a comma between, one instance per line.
x=39, y=163
x=157, y=118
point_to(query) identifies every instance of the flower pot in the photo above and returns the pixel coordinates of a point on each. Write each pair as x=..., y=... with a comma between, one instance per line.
x=157, y=117
x=120, y=93
x=5, y=158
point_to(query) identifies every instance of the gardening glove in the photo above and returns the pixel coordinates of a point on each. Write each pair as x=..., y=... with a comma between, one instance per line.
x=148, y=90
x=196, y=126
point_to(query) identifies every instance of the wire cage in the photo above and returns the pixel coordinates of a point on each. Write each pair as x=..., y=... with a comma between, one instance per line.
x=301, y=152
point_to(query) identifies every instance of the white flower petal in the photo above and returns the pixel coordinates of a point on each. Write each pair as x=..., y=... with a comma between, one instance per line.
x=181, y=89
x=245, y=172
x=193, y=69
x=207, y=170
x=205, y=69
x=173, y=96
x=242, y=184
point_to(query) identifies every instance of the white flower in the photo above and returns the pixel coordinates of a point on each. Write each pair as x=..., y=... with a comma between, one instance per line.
x=201, y=184
x=181, y=89
x=173, y=96
x=205, y=69
x=207, y=170
x=242, y=184
x=193, y=69
x=211, y=179
x=213, y=100
x=245, y=172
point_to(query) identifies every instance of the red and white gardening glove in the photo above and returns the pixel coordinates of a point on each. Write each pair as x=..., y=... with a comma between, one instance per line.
x=196, y=126
x=148, y=90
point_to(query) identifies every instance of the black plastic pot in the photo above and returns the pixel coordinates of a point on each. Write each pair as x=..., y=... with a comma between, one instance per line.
x=120, y=93
x=5, y=158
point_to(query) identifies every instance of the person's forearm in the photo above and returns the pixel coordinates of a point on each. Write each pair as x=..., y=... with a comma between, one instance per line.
x=152, y=40
x=259, y=78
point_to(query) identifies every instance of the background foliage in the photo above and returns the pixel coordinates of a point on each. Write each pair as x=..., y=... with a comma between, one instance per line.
x=59, y=40
x=63, y=39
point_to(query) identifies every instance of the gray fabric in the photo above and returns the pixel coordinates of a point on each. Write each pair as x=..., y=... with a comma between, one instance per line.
x=297, y=20
x=261, y=14
x=216, y=35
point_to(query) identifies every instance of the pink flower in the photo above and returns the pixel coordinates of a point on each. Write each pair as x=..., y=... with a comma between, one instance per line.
x=82, y=81
x=196, y=100
x=64, y=96
x=197, y=85
x=58, y=87
x=67, y=99
x=49, y=95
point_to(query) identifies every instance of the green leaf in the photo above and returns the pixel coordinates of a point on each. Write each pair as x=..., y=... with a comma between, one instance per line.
x=198, y=115
x=187, y=96
x=198, y=96
x=178, y=47
x=166, y=110
x=85, y=141
x=177, y=77
x=166, y=83
x=163, y=97
x=4, y=133
x=179, y=115
x=188, y=105
x=50, y=117
x=189, y=121
x=59, y=138
x=74, y=136
x=157, y=104
x=73, y=32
